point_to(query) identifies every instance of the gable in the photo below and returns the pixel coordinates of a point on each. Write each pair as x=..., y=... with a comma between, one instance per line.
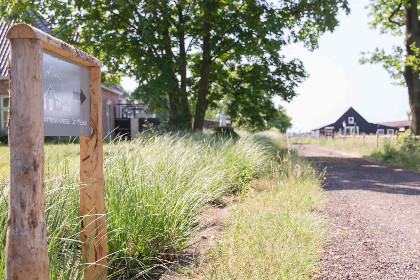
x=351, y=117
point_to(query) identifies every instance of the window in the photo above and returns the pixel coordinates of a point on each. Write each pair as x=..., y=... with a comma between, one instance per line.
x=4, y=111
x=351, y=130
x=390, y=131
x=380, y=132
x=50, y=105
x=5, y=102
x=351, y=120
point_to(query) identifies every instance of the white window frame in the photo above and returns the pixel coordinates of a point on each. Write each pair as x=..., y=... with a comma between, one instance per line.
x=351, y=120
x=351, y=130
x=390, y=130
x=3, y=109
x=380, y=130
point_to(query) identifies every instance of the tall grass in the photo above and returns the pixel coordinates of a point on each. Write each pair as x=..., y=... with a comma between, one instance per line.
x=155, y=187
x=274, y=233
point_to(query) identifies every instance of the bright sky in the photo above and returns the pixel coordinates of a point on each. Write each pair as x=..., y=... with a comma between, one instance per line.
x=337, y=81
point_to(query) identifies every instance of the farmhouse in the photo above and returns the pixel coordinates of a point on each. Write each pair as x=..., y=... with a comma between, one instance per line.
x=352, y=123
x=111, y=95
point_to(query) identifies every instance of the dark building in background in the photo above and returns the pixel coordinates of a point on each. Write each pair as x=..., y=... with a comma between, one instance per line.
x=352, y=123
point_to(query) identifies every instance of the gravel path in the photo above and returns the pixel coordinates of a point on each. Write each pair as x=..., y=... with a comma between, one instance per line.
x=374, y=216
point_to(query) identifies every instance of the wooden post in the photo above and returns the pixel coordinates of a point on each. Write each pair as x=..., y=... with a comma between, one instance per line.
x=92, y=205
x=26, y=240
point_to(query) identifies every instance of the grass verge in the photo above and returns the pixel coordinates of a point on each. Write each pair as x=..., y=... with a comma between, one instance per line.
x=155, y=188
x=403, y=151
x=275, y=233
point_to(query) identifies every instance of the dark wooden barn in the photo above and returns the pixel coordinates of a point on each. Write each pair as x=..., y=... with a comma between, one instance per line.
x=352, y=123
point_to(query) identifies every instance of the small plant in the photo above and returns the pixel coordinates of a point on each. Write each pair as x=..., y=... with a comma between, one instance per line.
x=406, y=141
x=226, y=132
x=4, y=137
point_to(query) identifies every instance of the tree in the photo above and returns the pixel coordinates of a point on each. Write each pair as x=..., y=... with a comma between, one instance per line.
x=182, y=51
x=282, y=122
x=397, y=18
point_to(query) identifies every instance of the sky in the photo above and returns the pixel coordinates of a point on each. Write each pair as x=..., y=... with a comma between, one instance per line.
x=338, y=81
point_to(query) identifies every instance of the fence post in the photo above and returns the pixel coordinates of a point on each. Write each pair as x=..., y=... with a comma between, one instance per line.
x=93, y=232
x=26, y=240
x=134, y=127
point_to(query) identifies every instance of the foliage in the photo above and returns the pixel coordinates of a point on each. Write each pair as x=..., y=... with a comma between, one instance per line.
x=189, y=54
x=282, y=121
x=388, y=18
x=398, y=18
x=275, y=232
x=226, y=132
x=155, y=188
x=4, y=137
x=406, y=141
x=393, y=62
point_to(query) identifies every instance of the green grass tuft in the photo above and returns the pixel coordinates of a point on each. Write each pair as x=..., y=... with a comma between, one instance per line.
x=155, y=187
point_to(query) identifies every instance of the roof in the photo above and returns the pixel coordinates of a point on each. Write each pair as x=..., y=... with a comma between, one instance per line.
x=4, y=47
x=41, y=24
x=113, y=89
x=397, y=124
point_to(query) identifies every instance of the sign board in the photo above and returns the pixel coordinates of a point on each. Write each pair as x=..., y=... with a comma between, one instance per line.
x=66, y=97
x=55, y=90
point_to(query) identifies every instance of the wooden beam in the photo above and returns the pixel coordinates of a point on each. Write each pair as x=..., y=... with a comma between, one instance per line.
x=52, y=44
x=92, y=204
x=26, y=240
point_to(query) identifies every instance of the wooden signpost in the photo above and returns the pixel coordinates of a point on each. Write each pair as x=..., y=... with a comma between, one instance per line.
x=40, y=105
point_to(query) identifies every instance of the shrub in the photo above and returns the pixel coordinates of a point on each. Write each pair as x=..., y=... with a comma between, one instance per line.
x=4, y=138
x=226, y=132
x=406, y=141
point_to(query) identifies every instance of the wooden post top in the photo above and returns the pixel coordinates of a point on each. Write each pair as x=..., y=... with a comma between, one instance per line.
x=52, y=44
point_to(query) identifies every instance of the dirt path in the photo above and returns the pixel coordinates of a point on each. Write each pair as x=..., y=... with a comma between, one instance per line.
x=374, y=216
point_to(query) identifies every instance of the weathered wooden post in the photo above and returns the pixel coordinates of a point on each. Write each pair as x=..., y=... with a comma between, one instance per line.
x=35, y=112
x=92, y=204
x=26, y=240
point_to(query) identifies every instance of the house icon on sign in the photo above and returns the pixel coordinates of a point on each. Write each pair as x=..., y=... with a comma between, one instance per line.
x=52, y=102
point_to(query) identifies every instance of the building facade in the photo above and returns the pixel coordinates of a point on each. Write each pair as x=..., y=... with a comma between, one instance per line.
x=352, y=123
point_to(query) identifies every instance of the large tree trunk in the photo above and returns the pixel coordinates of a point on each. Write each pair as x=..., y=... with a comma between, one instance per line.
x=183, y=68
x=412, y=77
x=172, y=87
x=201, y=106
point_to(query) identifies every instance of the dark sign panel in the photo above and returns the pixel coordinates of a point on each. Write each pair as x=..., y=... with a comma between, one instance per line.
x=66, y=97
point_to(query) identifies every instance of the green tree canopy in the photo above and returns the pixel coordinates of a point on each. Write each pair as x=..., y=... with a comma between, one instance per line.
x=398, y=18
x=182, y=52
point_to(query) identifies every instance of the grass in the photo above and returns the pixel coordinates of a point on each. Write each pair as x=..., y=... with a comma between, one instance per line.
x=275, y=233
x=403, y=151
x=155, y=187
